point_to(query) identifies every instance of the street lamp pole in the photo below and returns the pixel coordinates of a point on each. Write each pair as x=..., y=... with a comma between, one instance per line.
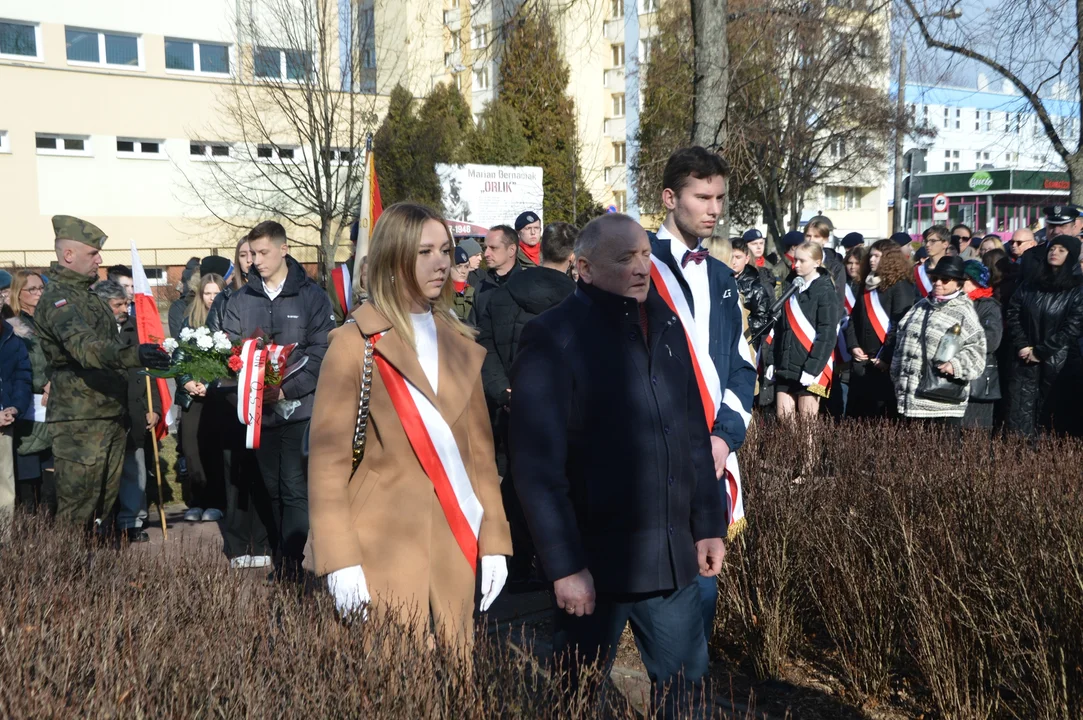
x=900, y=135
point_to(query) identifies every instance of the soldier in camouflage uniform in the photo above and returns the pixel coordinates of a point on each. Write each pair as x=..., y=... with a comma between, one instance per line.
x=87, y=362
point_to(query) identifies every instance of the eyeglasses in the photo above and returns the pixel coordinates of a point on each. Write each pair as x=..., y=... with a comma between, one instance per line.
x=1018, y=242
x=34, y=290
x=959, y=238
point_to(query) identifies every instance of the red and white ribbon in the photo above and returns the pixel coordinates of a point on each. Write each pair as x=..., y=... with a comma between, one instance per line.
x=806, y=335
x=250, y=390
x=878, y=317
x=849, y=299
x=921, y=279
x=710, y=386
x=434, y=444
x=251, y=380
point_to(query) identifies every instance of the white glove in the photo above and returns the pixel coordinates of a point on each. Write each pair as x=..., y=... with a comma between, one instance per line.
x=494, y=573
x=350, y=591
x=769, y=373
x=807, y=379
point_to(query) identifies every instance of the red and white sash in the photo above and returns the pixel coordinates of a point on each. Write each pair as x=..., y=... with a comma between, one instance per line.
x=250, y=384
x=434, y=444
x=710, y=386
x=878, y=317
x=806, y=335
x=842, y=352
x=921, y=279
x=340, y=276
x=849, y=300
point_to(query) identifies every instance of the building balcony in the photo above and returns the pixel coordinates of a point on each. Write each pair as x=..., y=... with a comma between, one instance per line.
x=613, y=78
x=614, y=30
x=453, y=19
x=613, y=128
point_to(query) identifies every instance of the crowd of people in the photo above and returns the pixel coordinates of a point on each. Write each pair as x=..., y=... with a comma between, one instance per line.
x=554, y=406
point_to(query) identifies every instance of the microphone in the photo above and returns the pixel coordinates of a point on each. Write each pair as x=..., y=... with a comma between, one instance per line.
x=776, y=309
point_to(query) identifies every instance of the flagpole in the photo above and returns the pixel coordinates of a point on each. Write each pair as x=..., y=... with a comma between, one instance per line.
x=157, y=464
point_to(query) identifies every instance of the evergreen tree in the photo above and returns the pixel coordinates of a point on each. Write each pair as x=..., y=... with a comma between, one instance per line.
x=412, y=140
x=499, y=137
x=533, y=82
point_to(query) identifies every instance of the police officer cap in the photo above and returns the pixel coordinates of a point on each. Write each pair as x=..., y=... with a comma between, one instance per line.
x=214, y=265
x=852, y=240
x=793, y=238
x=525, y=219
x=752, y=235
x=824, y=219
x=67, y=227
x=1060, y=214
x=461, y=256
x=901, y=238
x=471, y=246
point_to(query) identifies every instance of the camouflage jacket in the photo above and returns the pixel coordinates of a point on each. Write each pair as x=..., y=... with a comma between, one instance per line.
x=86, y=354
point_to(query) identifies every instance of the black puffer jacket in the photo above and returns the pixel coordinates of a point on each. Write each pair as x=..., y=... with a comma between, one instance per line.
x=757, y=299
x=1045, y=313
x=820, y=304
x=992, y=322
x=510, y=307
x=218, y=309
x=300, y=314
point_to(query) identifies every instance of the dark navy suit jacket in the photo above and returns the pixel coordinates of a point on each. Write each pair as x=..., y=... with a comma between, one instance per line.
x=728, y=348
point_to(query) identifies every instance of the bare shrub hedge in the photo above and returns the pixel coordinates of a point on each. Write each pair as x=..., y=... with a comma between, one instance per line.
x=953, y=564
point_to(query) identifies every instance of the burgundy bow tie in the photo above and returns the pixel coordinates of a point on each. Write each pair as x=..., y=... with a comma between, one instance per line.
x=696, y=256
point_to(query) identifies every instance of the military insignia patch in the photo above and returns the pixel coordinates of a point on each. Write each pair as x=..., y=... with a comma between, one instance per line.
x=60, y=303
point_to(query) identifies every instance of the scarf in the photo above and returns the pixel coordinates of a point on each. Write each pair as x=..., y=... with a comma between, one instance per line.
x=760, y=262
x=938, y=300
x=979, y=293
x=459, y=286
x=532, y=251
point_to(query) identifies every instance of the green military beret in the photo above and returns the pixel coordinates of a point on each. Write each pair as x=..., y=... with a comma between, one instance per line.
x=67, y=227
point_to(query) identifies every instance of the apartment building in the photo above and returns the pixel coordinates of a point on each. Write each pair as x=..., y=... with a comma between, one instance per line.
x=114, y=110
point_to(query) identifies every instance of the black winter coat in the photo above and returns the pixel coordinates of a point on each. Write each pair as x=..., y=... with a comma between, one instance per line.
x=300, y=314
x=834, y=264
x=820, y=304
x=992, y=322
x=757, y=299
x=137, y=393
x=490, y=282
x=860, y=333
x=218, y=308
x=1050, y=320
x=509, y=308
x=609, y=451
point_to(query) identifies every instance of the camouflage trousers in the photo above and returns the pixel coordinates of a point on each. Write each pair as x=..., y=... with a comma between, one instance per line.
x=88, y=456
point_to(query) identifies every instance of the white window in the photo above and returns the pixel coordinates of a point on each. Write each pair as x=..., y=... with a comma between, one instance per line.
x=925, y=115
x=946, y=112
x=280, y=64
x=281, y=153
x=140, y=148
x=368, y=57
x=606, y=174
x=617, y=52
x=5, y=144
x=196, y=57
x=156, y=276
x=838, y=148
x=20, y=40
x=50, y=144
x=988, y=121
x=955, y=154
x=481, y=36
x=620, y=200
x=648, y=6
x=481, y=78
x=843, y=198
x=977, y=120
x=947, y=167
x=618, y=105
x=94, y=47
x=459, y=81
x=958, y=119
x=646, y=49
x=620, y=153
x=206, y=150
x=947, y=154
x=456, y=42
x=616, y=9
x=1018, y=123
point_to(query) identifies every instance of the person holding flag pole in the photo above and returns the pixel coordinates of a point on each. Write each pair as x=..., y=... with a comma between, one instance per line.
x=347, y=279
x=148, y=325
x=702, y=292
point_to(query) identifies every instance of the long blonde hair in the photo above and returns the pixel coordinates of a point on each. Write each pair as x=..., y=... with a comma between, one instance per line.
x=392, y=271
x=18, y=282
x=197, y=311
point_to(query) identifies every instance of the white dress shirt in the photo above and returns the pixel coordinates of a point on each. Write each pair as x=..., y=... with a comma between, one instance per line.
x=696, y=277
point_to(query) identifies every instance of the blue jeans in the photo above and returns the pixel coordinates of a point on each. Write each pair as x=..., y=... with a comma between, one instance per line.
x=708, y=601
x=668, y=630
x=132, y=495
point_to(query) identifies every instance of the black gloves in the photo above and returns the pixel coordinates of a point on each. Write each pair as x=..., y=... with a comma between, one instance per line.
x=153, y=357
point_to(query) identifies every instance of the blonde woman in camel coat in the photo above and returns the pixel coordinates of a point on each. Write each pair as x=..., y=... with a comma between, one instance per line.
x=380, y=533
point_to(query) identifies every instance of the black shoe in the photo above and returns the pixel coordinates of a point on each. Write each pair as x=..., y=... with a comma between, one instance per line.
x=137, y=535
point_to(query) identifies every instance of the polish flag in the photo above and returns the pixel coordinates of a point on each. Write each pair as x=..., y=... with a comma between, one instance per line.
x=149, y=327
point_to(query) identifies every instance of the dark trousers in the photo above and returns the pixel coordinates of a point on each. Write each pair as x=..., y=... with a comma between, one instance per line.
x=668, y=629
x=284, y=475
x=248, y=506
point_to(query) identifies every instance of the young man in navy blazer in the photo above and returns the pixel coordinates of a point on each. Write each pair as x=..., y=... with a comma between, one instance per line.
x=693, y=194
